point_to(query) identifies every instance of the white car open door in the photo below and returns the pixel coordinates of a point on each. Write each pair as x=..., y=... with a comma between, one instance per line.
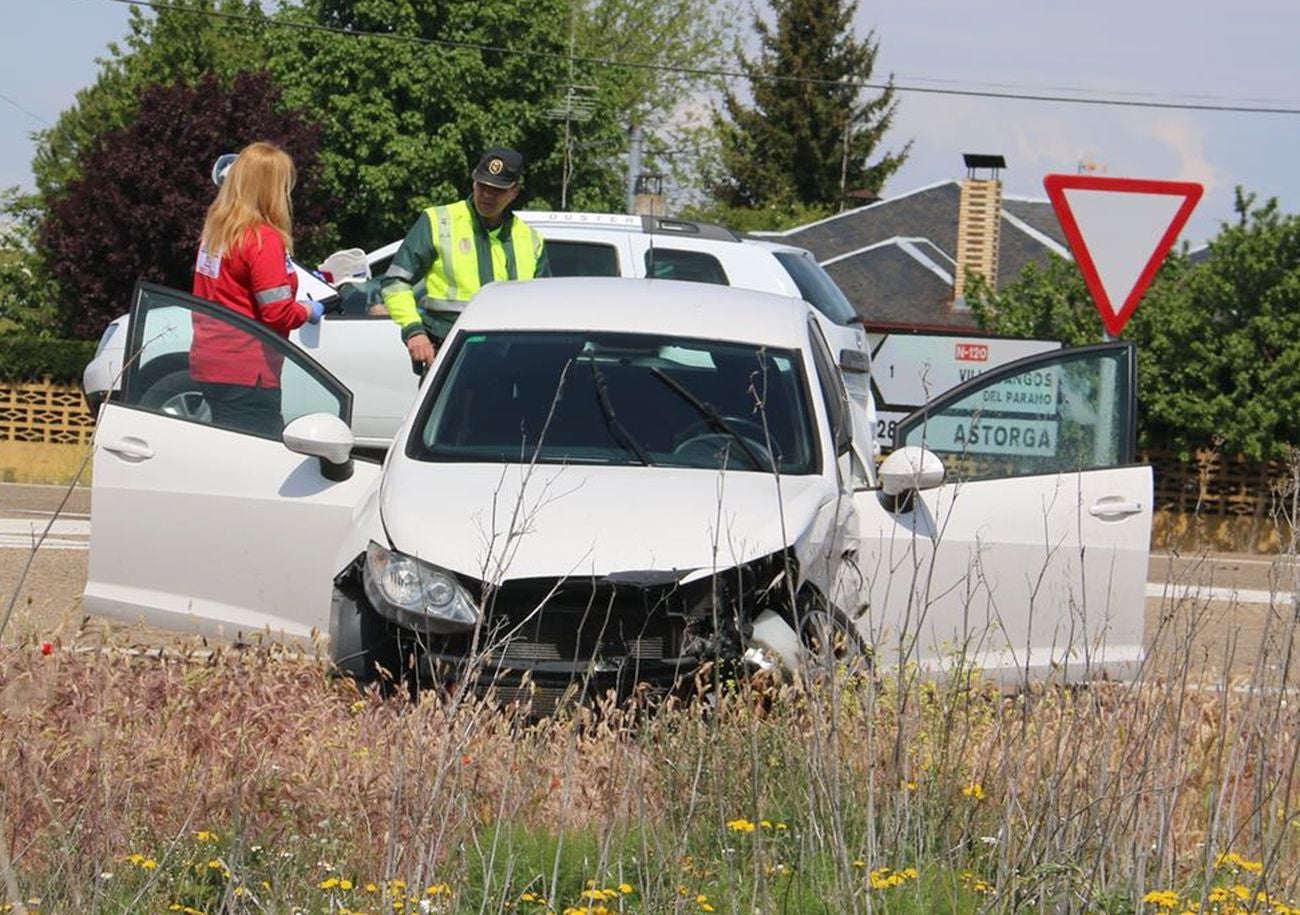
x=216, y=527
x=1011, y=528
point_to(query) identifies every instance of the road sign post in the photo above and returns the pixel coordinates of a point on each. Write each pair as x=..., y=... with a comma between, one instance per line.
x=1120, y=230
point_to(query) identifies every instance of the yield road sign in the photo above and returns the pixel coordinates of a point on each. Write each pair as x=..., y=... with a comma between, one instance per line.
x=1120, y=230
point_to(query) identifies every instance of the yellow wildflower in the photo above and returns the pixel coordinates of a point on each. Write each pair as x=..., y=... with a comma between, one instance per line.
x=1161, y=899
x=204, y=836
x=974, y=791
x=437, y=889
x=1232, y=859
x=328, y=884
x=740, y=825
x=625, y=888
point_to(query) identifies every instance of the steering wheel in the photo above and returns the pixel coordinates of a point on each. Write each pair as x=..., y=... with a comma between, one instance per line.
x=702, y=433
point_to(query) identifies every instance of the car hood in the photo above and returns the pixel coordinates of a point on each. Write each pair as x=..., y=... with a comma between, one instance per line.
x=492, y=521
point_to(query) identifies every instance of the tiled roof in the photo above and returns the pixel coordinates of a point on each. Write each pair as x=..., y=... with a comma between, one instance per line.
x=889, y=286
x=895, y=258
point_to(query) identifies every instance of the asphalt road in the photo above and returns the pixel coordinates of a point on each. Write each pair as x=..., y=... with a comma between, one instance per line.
x=1219, y=612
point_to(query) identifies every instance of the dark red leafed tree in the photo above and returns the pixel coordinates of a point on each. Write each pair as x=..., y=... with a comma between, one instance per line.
x=137, y=210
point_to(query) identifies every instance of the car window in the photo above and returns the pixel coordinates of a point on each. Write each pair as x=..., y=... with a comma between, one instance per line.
x=611, y=398
x=1057, y=412
x=834, y=395
x=201, y=362
x=691, y=266
x=817, y=288
x=581, y=258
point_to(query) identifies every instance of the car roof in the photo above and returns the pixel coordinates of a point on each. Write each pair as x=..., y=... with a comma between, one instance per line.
x=774, y=246
x=627, y=222
x=685, y=309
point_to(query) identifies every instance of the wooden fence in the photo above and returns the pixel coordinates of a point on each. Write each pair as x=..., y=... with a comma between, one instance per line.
x=1211, y=500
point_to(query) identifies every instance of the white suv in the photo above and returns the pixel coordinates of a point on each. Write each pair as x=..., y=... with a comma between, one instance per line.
x=362, y=347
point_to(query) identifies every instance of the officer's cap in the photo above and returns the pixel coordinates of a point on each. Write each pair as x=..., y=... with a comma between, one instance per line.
x=499, y=168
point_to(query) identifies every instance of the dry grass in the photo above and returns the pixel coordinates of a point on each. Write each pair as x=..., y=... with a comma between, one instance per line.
x=38, y=462
x=1053, y=799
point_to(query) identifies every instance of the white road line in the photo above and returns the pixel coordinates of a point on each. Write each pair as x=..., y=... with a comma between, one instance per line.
x=25, y=543
x=32, y=528
x=1227, y=595
x=64, y=534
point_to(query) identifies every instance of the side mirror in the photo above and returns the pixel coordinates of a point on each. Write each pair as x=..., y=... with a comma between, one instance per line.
x=324, y=436
x=910, y=469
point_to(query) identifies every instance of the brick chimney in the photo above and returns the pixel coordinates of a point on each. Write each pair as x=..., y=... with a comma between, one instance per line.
x=649, y=200
x=979, y=221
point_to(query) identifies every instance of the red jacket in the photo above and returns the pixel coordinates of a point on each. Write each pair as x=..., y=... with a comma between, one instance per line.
x=256, y=279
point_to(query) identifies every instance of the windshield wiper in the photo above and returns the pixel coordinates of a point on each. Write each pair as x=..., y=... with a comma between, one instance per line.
x=712, y=416
x=616, y=428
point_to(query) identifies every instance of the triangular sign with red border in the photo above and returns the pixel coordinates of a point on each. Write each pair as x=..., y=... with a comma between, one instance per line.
x=1120, y=230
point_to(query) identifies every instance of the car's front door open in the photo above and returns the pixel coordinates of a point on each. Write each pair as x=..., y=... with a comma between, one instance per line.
x=199, y=522
x=1031, y=557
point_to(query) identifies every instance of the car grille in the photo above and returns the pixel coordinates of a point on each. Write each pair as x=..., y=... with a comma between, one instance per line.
x=582, y=621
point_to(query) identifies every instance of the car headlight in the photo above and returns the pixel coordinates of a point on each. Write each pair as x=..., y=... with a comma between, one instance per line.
x=416, y=594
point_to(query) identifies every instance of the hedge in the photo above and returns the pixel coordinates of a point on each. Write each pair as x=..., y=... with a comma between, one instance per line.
x=24, y=358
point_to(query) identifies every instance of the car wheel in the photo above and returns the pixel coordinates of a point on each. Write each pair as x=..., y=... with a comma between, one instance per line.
x=831, y=643
x=176, y=394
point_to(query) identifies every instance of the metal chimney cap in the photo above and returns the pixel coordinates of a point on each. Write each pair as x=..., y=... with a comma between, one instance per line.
x=980, y=160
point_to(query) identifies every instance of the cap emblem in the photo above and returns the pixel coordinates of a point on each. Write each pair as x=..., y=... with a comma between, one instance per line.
x=495, y=166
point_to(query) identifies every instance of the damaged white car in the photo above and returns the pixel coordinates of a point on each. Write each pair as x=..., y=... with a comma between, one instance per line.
x=615, y=482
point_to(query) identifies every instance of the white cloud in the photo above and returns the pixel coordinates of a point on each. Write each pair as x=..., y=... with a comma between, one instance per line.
x=1186, y=141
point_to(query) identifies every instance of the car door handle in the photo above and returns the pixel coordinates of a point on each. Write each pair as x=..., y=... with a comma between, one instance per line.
x=1113, y=507
x=131, y=448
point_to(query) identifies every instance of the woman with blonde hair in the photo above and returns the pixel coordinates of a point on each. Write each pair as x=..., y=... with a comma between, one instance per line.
x=243, y=263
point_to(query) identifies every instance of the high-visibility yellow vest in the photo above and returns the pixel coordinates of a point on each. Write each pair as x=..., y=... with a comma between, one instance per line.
x=455, y=274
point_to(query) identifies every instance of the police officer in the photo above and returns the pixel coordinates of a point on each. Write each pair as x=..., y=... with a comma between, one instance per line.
x=458, y=248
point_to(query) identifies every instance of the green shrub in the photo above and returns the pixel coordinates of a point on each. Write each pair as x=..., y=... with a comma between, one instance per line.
x=24, y=358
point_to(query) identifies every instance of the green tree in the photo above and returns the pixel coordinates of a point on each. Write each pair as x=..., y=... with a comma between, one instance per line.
x=406, y=116
x=26, y=303
x=1218, y=340
x=812, y=129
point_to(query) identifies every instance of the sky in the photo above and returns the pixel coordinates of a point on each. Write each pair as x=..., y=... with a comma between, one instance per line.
x=1195, y=51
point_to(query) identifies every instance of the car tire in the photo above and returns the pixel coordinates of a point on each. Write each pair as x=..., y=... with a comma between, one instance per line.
x=830, y=640
x=170, y=390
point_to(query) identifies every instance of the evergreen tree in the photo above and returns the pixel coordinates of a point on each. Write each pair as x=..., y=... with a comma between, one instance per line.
x=811, y=131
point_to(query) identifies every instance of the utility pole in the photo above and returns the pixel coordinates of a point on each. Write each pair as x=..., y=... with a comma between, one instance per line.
x=576, y=106
x=633, y=165
x=844, y=158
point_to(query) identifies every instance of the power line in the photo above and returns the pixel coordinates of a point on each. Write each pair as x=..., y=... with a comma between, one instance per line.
x=31, y=114
x=1021, y=96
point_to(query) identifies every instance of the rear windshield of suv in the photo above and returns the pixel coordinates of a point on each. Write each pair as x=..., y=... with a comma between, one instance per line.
x=581, y=258
x=817, y=287
x=691, y=266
